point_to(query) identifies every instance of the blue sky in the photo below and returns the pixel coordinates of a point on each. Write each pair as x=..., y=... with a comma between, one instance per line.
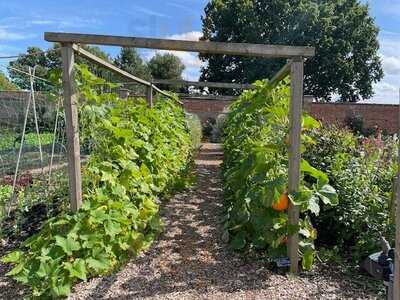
x=22, y=23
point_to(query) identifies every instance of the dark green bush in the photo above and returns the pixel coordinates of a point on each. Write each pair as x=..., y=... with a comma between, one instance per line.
x=361, y=170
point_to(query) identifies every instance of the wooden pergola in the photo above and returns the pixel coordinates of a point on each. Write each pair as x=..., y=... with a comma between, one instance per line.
x=295, y=68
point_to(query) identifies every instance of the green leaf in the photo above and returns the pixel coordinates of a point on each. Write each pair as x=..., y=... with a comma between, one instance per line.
x=239, y=240
x=76, y=269
x=16, y=270
x=67, y=244
x=99, y=263
x=313, y=205
x=309, y=122
x=12, y=257
x=307, y=259
x=61, y=290
x=44, y=269
x=313, y=172
x=112, y=228
x=328, y=195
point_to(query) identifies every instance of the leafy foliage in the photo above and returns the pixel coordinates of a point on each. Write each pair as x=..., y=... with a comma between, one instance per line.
x=362, y=172
x=166, y=66
x=194, y=124
x=130, y=61
x=137, y=153
x=255, y=175
x=5, y=84
x=46, y=63
x=343, y=32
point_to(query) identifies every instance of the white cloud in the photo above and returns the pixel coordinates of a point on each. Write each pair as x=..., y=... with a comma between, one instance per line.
x=385, y=93
x=391, y=65
x=189, y=59
x=187, y=36
x=150, y=12
x=42, y=22
x=6, y=35
x=387, y=90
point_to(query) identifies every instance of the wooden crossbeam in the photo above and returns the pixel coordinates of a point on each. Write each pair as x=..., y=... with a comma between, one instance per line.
x=242, y=49
x=116, y=70
x=221, y=85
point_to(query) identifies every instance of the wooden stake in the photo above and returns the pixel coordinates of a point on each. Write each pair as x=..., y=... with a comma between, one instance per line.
x=396, y=279
x=72, y=127
x=149, y=95
x=297, y=73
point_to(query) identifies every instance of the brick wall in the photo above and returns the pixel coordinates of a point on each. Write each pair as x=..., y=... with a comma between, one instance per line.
x=383, y=115
x=206, y=109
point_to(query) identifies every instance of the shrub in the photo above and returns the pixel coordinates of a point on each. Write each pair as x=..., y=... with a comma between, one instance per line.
x=218, y=128
x=138, y=153
x=194, y=125
x=255, y=171
x=361, y=170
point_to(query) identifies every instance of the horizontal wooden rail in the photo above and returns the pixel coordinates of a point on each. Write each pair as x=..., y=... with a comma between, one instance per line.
x=222, y=85
x=243, y=49
x=117, y=70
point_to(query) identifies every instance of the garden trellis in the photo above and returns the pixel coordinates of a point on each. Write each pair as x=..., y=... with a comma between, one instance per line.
x=294, y=67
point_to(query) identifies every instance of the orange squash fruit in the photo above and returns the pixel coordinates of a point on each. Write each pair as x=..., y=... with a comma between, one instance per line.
x=282, y=204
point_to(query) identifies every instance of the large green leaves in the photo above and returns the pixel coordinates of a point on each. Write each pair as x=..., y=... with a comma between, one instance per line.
x=136, y=153
x=255, y=174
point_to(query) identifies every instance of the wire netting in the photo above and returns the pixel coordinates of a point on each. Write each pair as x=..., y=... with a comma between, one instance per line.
x=33, y=180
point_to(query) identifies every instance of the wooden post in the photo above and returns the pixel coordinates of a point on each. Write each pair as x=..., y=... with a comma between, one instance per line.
x=396, y=279
x=296, y=79
x=149, y=95
x=72, y=127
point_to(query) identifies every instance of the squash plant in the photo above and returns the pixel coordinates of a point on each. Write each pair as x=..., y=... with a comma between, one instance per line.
x=136, y=154
x=255, y=171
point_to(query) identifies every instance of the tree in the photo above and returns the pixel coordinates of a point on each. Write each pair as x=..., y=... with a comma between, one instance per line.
x=45, y=61
x=166, y=66
x=5, y=84
x=130, y=61
x=345, y=37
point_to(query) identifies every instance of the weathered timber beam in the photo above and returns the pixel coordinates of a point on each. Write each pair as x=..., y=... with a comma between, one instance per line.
x=243, y=49
x=222, y=85
x=115, y=69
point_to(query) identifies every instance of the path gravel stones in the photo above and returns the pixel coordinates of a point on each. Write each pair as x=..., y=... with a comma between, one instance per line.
x=190, y=261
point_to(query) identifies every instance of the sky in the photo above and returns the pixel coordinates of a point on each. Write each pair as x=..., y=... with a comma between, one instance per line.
x=23, y=22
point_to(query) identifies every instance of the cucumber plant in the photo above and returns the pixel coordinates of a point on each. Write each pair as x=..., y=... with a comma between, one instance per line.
x=137, y=154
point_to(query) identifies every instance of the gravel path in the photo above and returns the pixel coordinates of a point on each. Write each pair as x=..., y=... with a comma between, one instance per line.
x=190, y=261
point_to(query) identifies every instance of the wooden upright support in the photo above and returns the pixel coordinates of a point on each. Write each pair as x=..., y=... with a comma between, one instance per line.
x=149, y=95
x=72, y=126
x=396, y=278
x=296, y=72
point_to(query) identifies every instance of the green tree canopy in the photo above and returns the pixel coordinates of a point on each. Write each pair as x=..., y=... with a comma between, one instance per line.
x=345, y=37
x=5, y=84
x=45, y=61
x=166, y=66
x=130, y=61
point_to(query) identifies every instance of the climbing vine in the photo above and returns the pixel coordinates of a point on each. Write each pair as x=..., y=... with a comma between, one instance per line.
x=137, y=155
x=255, y=172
